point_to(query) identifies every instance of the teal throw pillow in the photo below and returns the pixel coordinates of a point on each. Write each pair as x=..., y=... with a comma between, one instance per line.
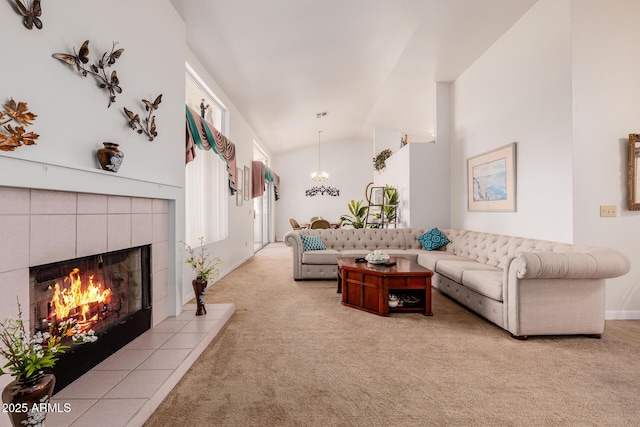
x=312, y=243
x=433, y=239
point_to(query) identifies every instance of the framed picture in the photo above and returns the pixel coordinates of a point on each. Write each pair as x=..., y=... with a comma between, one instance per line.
x=634, y=172
x=239, y=196
x=246, y=189
x=491, y=180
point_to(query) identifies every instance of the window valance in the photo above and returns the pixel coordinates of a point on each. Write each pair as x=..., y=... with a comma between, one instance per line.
x=202, y=135
x=260, y=175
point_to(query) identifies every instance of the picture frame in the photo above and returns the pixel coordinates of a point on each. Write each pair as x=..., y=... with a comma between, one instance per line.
x=246, y=189
x=239, y=195
x=491, y=180
x=634, y=172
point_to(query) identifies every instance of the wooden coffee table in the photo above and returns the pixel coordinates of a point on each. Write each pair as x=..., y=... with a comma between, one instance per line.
x=367, y=286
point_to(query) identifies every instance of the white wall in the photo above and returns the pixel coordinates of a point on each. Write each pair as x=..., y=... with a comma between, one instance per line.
x=386, y=139
x=606, y=87
x=350, y=168
x=239, y=246
x=73, y=118
x=520, y=90
x=419, y=172
x=562, y=83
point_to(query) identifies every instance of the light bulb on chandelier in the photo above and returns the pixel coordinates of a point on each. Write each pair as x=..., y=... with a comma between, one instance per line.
x=319, y=175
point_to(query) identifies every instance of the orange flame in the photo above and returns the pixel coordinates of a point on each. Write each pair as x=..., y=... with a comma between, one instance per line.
x=72, y=301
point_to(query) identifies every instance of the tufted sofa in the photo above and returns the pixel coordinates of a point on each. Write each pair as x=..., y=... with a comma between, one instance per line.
x=525, y=286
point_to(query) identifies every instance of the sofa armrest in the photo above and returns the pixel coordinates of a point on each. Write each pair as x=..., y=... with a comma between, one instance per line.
x=595, y=263
x=292, y=238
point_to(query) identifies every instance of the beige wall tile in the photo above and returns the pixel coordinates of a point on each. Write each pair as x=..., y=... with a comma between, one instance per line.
x=141, y=205
x=118, y=232
x=159, y=256
x=14, y=284
x=160, y=285
x=14, y=244
x=119, y=204
x=52, y=238
x=92, y=203
x=14, y=200
x=160, y=311
x=47, y=202
x=141, y=229
x=92, y=235
x=160, y=206
x=160, y=227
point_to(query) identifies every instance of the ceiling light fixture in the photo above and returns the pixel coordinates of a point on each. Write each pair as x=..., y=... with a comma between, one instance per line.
x=319, y=175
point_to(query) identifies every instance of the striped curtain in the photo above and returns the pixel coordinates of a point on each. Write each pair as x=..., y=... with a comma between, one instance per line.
x=202, y=135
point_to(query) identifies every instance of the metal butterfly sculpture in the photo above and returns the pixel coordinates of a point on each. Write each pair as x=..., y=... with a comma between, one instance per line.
x=111, y=83
x=148, y=126
x=31, y=15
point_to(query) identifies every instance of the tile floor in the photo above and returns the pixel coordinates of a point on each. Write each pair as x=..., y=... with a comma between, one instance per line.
x=125, y=389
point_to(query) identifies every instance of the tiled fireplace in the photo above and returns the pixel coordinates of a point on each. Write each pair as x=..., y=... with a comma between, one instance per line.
x=40, y=228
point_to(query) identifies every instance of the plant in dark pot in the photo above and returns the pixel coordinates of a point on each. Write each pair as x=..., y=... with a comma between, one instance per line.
x=28, y=357
x=206, y=267
x=357, y=217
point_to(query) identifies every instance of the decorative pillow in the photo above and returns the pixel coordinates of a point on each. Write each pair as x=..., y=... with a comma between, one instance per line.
x=433, y=239
x=312, y=243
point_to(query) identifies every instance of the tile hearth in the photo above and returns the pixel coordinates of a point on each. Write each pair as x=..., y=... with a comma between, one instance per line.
x=126, y=388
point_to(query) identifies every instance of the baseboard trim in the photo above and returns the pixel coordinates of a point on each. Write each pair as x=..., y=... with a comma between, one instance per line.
x=622, y=315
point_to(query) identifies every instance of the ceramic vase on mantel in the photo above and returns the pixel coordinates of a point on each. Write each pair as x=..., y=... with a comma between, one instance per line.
x=110, y=157
x=26, y=400
x=199, y=287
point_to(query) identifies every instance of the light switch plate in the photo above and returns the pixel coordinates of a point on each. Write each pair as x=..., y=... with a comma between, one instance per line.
x=608, y=210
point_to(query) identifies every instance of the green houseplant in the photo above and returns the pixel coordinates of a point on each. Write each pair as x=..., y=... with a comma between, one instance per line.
x=357, y=217
x=206, y=267
x=379, y=161
x=28, y=356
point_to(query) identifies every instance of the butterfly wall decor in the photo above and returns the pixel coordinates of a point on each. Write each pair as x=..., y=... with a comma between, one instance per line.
x=148, y=125
x=31, y=15
x=80, y=59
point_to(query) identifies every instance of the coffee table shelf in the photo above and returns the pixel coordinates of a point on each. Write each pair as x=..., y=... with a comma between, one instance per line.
x=367, y=286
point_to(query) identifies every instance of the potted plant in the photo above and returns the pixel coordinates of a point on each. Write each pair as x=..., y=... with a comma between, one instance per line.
x=206, y=268
x=379, y=161
x=357, y=217
x=28, y=357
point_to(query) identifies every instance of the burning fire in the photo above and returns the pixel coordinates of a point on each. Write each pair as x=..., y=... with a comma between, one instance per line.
x=73, y=301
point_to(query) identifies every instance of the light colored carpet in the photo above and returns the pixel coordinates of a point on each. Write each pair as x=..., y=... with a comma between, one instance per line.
x=292, y=355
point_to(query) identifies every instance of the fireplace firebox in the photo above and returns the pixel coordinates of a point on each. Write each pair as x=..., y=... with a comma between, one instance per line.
x=109, y=293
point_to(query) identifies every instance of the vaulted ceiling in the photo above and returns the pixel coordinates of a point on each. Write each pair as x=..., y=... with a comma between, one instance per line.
x=368, y=63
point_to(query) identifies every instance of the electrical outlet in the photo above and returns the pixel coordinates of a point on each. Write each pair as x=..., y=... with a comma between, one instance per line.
x=608, y=210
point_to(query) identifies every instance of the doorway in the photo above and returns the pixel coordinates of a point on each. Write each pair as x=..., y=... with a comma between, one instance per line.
x=262, y=207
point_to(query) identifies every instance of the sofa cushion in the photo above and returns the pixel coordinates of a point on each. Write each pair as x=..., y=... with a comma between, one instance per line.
x=430, y=259
x=312, y=243
x=328, y=256
x=484, y=282
x=433, y=239
x=454, y=269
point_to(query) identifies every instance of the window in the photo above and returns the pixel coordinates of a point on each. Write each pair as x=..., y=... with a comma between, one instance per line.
x=206, y=177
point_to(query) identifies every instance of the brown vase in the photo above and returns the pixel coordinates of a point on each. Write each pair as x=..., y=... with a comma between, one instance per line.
x=199, y=287
x=110, y=157
x=26, y=400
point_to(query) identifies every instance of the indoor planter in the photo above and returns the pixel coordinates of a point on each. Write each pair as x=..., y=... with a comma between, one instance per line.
x=357, y=217
x=206, y=268
x=28, y=356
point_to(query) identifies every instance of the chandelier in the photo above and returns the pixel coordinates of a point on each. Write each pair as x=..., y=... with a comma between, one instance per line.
x=319, y=175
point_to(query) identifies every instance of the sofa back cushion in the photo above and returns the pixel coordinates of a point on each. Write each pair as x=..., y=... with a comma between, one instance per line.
x=369, y=239
x=497, y=250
